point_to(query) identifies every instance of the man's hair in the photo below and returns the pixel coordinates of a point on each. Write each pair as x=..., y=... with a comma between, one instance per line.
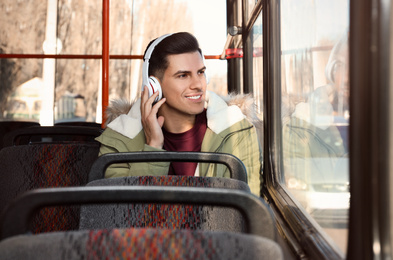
x=177, y=43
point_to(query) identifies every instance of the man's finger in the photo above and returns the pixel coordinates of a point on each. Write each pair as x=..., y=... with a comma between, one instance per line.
x=158, y=105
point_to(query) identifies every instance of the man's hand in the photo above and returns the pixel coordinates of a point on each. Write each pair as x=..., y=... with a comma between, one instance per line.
x=151, y=123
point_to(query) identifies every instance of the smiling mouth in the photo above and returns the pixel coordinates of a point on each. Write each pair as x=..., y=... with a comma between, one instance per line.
x=195, y=97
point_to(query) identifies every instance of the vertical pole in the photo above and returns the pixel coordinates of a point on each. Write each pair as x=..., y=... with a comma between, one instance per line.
x=234, y=68
x=247, y=51
x=105, y=58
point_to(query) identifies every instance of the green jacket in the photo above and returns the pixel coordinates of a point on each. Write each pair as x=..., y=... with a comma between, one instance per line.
x=238, y=137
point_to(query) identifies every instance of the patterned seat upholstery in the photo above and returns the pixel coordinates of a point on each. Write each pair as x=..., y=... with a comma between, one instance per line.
x=173, y=216
x=144, y=243
x=258, y=242
x=28, y=167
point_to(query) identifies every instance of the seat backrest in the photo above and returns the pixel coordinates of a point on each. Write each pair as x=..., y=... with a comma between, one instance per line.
x=140, y=244
x=235, y=165
x=28, y=167
x=51, y=134
x=15, y=220
x=8, y=126
x=171, y=216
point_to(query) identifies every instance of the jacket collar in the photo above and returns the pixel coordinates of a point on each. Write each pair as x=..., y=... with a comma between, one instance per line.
x=219, y=115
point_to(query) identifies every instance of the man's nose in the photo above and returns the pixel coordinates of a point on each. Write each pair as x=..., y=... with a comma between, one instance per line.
x=197, y=82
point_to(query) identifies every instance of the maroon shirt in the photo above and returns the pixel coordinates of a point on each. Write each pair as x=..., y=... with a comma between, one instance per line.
x=190, y=141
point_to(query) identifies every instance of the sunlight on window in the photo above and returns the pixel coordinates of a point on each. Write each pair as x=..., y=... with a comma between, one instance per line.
x=315, y=114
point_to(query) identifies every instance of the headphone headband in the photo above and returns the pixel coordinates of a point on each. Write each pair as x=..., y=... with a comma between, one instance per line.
x=146, y=58
x=154, y=44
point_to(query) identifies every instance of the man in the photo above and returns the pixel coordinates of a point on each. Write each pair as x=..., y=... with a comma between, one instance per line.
x=187, y=118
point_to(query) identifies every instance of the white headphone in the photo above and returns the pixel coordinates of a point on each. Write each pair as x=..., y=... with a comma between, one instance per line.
x=152, y=82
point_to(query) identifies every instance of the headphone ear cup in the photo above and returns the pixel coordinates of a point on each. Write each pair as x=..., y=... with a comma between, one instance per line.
x=154, y=86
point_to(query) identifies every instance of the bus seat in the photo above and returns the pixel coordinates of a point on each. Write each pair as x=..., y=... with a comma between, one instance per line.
x=142, y=243
x=258, y=242
x=171, y=216
x=8, y=126
x=51, y=134
x=28, y=167
x=235, y=165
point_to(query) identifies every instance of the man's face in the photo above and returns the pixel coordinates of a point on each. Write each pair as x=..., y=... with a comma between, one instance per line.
x=184, y=84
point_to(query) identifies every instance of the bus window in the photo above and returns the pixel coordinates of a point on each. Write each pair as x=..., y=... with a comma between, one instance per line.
x=71, y=31
x=257, y=67
x=315, y=112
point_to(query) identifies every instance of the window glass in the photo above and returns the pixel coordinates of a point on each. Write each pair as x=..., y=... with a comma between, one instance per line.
x=50, y=27
x=315, y=112
x=23, y=25
x=130, y=34
x=121, y=77
x=257, y=72
x=217, y=76
x=20, y=91
x=79, y=26
x=24, y=92
x=75, y=28
x=27, y=90
x=77, y=86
